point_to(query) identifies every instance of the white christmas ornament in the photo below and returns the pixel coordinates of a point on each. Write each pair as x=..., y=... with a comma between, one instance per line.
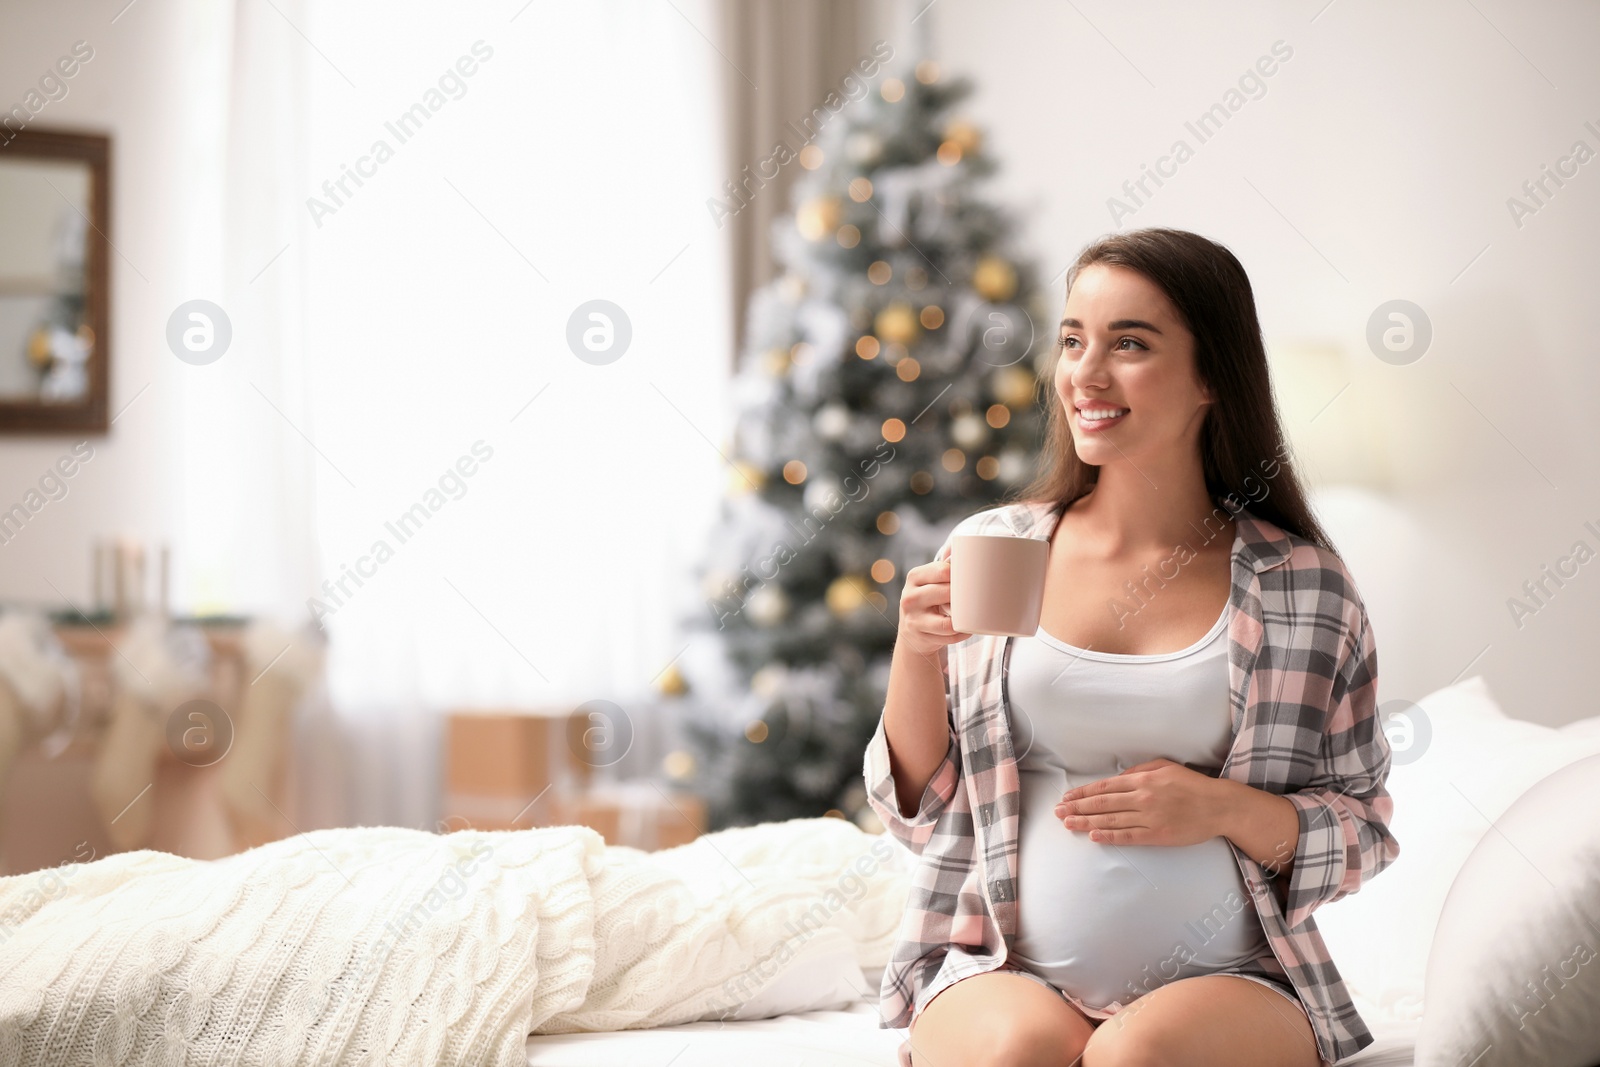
x=1014, y=465
x=864, y=147
x=969, y=431
x=768, y=605
x=823, y=493
x=832, y=421
x=768, y=681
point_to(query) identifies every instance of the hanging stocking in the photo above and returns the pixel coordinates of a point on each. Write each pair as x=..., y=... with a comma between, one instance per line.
x=279, y=666
x=38, y=688
x=157, y=669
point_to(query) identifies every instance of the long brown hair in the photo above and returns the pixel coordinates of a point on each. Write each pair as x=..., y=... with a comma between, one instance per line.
x=1242, y=445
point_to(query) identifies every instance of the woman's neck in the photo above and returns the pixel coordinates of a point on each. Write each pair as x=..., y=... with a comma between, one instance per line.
x=1132, y=513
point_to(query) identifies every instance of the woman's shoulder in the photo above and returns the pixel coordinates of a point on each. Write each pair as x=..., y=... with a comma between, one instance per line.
x=1305, y=566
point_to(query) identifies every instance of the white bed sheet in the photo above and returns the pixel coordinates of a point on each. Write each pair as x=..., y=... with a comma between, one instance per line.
x=844, y=1038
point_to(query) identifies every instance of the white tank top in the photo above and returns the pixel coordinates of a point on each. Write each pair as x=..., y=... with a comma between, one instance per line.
x=1107, y=923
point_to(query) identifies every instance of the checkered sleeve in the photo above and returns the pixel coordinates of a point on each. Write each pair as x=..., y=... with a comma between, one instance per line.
x=915, y=831
x=1345, y=809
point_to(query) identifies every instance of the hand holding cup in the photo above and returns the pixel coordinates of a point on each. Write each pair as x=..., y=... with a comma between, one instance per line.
x=925, y=625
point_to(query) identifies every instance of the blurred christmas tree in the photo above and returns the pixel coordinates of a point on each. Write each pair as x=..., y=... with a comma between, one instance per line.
x=886, y=393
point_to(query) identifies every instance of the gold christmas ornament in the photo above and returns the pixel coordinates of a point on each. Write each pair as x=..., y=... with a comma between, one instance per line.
x=896, y=323
x=671, y=682
x=847, y=594
x=963, y=135
x=678, y=765
x=819, y=217
x=1013, y=387
x=39, y=348
x=716, y=584
x=994, y=279
x=744, y=477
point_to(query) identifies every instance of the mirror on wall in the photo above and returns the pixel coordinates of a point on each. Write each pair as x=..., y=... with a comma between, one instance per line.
x=54, y=297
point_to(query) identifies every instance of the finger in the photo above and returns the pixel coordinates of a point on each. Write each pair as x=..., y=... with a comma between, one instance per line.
x=1101, y=804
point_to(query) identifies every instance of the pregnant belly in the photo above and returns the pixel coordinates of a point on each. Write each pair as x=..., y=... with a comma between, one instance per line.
x=1108, y=922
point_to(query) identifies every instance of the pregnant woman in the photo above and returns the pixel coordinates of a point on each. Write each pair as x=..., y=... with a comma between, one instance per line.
x=1122, y=824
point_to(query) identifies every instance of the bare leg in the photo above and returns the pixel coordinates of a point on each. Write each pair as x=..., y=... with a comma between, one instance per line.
x=1212, y=1020
x=998, y=1019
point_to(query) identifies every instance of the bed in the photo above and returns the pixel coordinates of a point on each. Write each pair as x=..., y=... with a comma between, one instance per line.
x=1478, y=762
x=841, y=1037
x=758, y=944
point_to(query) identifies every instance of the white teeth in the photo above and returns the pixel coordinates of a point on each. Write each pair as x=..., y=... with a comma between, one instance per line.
x=1096, y=414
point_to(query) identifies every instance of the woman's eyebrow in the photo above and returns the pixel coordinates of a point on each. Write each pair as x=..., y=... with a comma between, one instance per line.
x=1120, y=324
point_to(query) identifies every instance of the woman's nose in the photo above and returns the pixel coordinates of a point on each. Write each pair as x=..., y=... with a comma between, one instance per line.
x=1091, y=369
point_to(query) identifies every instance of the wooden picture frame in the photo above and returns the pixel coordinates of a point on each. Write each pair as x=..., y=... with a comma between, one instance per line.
x=88, y=415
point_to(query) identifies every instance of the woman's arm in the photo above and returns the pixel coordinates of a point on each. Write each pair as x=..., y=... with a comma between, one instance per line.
x=1265, y=826
x=1343, y=813
x=911, y=765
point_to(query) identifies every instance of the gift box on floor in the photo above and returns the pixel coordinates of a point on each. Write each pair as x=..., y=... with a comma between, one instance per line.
x=640, y=814
x=505, y=767
x=512, y=769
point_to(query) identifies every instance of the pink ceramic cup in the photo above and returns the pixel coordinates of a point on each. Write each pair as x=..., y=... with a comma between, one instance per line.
x=997, y=584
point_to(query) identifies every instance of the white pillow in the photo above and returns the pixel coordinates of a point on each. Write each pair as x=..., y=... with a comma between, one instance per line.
x=1458, y=763
x=823, y=975
x=1514, y=973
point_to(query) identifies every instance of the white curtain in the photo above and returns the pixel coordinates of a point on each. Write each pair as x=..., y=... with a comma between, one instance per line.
x=420, y=199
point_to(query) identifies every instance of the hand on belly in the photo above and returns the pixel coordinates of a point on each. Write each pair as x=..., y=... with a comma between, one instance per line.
x=1096, y=915
x=1159, y=802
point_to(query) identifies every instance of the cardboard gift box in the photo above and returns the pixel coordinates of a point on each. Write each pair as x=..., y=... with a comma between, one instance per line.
x=504, y=767
x=512, y=769
x=642, y=815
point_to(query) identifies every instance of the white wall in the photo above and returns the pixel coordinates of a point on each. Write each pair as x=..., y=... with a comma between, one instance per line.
x=1376, y=165
x=138, y=86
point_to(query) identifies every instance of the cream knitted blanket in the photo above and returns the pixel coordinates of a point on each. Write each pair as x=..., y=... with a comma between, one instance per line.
x=385, y=945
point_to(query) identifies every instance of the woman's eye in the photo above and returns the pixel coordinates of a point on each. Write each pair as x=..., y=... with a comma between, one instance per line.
x=1069, y=342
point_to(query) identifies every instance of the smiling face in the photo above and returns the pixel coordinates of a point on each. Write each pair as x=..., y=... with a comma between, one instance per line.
x=1125, y=348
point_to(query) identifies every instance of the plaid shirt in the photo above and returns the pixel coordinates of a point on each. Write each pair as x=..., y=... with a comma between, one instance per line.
x=1303, y=677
